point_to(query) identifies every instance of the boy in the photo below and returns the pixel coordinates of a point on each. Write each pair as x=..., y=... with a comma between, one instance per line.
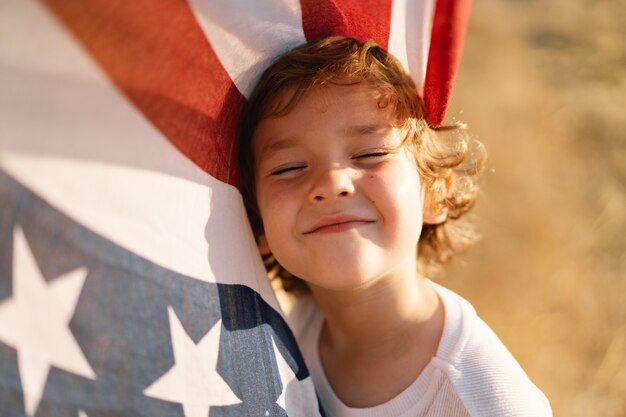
x=343, y=182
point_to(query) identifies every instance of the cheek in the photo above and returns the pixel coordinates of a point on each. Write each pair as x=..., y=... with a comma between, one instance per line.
x=410, y=184
x=398, y=194
x=278, y=199
x=399, y=184
x=277, y=207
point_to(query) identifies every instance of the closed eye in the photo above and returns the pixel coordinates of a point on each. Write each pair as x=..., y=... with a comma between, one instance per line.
x=287, y=169
x=373, y=154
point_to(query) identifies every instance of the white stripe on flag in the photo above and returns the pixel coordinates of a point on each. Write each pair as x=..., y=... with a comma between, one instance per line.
x=409, y=36
x=247, y=34
x=69, y=136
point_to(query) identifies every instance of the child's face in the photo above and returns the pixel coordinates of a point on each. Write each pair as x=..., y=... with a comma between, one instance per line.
x=338, y=195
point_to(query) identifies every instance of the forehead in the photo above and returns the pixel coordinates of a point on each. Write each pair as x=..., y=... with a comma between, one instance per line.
x=334, y=90
x=336, y=107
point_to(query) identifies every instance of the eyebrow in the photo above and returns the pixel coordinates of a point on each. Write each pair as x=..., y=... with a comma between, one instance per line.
x=359, y=130
x=277, y=145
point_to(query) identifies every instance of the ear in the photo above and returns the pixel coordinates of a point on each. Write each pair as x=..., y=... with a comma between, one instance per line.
x=264, y=248
x=435, y=217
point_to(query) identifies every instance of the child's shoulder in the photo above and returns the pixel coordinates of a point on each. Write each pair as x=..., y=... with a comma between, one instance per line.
x=484, y=374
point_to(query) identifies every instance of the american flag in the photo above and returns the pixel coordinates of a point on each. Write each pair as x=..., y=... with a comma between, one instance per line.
x=130, y=283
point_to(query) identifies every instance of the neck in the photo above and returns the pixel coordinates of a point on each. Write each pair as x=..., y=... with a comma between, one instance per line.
x=381, y=317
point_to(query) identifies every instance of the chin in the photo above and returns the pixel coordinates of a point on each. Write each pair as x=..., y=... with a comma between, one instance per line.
x=340, y=279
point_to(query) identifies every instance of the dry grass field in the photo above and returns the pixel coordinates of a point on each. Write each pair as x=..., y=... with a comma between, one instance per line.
x=543, y=85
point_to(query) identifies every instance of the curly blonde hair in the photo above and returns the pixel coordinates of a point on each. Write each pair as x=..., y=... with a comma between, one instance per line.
x=447, y=157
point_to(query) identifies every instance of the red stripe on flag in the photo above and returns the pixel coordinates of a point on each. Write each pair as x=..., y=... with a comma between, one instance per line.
x=446, y=45
x=158, y=56
x=361, y=19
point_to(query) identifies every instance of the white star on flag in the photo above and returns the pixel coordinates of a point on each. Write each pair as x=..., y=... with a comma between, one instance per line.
x=294, y=391
x=193, y=381
x=35, y=321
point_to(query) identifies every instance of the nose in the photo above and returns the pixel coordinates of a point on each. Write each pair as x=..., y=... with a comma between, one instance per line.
x=332, y=183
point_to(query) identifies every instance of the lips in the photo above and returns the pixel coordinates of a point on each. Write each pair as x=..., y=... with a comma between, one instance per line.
x=335, y=224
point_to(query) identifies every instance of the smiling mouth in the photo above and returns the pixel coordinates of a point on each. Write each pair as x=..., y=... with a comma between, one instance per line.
x=338, y=227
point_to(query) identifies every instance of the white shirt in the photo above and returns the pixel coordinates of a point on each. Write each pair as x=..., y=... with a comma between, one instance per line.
x=472, y=374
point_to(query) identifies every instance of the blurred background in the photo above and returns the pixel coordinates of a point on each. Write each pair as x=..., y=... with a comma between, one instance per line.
x=543, y=85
